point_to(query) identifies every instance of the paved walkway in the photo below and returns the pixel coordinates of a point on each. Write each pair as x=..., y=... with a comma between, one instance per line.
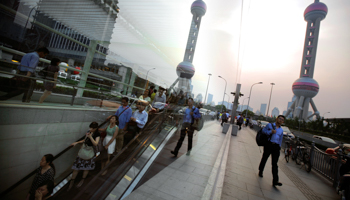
x=186, y=178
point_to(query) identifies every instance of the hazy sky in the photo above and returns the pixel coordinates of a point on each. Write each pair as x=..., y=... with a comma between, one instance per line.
x=272, y=39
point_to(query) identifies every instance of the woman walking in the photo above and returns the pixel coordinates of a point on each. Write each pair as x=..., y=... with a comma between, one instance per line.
x=51, y=76
x=86, y=157
x=45, y=172
x=109, y=142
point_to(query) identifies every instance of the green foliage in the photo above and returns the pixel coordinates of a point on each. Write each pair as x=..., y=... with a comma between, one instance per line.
x=249, y=114
x=337, y=129
x=218, y=107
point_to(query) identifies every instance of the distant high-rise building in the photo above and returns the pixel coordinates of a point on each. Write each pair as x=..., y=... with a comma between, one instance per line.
x=226, y=104
x=199, y=98
x=275, y=112
x=257, y=112
x=191, y=88
x=241, y=108
x=284, y=113
x=210, y=98
x=263, y=108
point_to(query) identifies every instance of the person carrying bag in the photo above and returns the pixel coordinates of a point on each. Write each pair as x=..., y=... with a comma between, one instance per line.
x=86, y=156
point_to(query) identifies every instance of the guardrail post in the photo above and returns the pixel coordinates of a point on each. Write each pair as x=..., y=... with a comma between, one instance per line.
x=296, y=148
x=312, y=151
x=73, y=96
x=338, y=164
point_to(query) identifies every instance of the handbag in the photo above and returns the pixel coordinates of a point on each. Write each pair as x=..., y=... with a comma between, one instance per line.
x=86, y=152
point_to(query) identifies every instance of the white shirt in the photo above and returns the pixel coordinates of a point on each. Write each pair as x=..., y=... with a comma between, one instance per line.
x=141, y=118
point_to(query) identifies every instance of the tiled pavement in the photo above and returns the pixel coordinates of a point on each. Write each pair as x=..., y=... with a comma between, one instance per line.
x=187, y=177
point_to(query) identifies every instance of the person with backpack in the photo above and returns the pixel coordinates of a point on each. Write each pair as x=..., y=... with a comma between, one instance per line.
x=224, y=118
x=272, y=147
x=191, y=114
x=240, y=121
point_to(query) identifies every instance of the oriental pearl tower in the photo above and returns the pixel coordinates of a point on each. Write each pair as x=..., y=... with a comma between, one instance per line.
x=305, y=88
x=185, y=70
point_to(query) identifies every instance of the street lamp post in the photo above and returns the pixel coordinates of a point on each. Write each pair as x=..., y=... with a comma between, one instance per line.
x=324, y=114
x=223, y=98
x=268, y=107
x=250, y=93
x=205, y=98
x=147, y=76
x=243, y=103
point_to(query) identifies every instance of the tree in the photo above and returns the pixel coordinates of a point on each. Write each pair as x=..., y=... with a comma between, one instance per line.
x=249, y=114
x=218, y=107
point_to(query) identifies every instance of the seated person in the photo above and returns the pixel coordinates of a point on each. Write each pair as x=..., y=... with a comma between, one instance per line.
x=137, y=121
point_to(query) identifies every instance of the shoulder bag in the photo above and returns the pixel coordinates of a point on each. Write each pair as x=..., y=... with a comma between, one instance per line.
x=86, y=152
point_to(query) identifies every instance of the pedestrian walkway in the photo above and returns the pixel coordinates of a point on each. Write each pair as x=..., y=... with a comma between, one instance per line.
x=186, y=178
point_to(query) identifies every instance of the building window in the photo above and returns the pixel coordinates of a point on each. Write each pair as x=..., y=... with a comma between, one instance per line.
x=197, y=18
x=312, y=24
x=191, y=49
x=308, y=52
x=309, y=43
x=307, y=61
x=189, y=57
x=192, y=41
x=196, y=26
x=306, y=71
x=194, y=34
x=310, y=33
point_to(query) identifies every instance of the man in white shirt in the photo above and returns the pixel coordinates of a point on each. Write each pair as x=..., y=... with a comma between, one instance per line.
x=137, y=121
x=159, y=98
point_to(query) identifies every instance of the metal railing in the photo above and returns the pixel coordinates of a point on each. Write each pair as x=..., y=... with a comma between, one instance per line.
x=327, y=165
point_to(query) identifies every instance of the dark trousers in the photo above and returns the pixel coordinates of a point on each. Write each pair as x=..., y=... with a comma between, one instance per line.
x=189, y=130
x=23, y=85
x=131, y=133
x=274, y=151
x=223, y=121
x=240, y=125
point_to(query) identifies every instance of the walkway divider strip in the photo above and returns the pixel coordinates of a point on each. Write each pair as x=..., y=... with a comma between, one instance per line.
x=215, y=184
x=148, y=164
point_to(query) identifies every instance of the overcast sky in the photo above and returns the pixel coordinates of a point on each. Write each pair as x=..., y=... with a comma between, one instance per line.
x=272, y=39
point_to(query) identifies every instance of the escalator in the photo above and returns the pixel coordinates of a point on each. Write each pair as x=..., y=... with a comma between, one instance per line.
x=123, y=172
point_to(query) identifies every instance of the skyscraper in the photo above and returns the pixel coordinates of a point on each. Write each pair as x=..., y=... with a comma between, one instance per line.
x=275, y=112
x=305, y=88
x=263, y=108
x=185, y=70
x=210, y=98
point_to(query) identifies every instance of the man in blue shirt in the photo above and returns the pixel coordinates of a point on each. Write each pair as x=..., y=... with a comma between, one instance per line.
x=27, y=68
x=273, y=147
x=124, y=113
x=191, y=113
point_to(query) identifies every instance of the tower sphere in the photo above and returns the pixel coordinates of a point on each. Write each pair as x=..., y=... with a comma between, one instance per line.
x=306, y=87
x=316, y=10
x=185, y=70
x=198, y=7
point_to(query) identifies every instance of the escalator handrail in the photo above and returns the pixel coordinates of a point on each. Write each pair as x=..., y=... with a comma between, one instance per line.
x=8, y=190
x=116, y=157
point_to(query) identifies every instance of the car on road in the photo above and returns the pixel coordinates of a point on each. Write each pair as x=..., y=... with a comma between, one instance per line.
x=326, y=139
x=287, y=132
x=262, y=124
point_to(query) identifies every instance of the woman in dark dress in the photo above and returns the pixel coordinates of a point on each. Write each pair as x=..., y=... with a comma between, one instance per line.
x=92, y=138
x=51, y=76
x=45, y=172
